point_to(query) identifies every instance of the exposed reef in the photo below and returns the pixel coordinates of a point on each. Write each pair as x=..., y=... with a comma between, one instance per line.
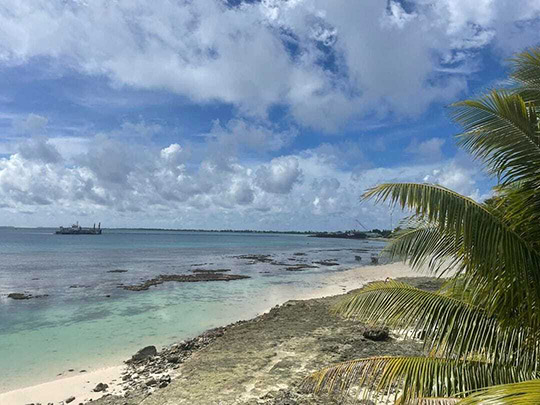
x=255, y=258
x=300, y=267
x=210, y=271
x=25, y=296
x=327, y=263
x=182, y=278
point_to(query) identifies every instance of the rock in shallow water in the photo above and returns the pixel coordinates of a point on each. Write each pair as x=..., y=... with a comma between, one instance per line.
x=144, y=353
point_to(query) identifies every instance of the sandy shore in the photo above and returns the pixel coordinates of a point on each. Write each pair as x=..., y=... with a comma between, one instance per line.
x=81, y=386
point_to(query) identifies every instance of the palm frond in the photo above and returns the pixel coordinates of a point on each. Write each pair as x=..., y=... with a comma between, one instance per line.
x=451, y=327
x=526, y=74
x=519, y=206
x=413, y=377
x=521, y=393
x=502, y=131
x=429, y=401
x=492, y=254
x=425, y=244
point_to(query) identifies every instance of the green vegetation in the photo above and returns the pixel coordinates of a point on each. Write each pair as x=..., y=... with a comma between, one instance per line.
x=482, y=328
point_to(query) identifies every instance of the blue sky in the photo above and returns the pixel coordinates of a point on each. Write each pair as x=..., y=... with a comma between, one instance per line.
x=261, y=115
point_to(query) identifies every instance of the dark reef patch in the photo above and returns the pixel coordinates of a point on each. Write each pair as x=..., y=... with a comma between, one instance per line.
x=183, y=278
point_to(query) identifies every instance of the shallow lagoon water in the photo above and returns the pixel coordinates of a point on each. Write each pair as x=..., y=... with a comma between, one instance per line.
x=78, y=327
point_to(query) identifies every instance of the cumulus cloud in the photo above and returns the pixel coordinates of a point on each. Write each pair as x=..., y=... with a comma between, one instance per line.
x=280, y=175
x=32, y=123
x=173, y=154
x=429, y=150
x=39, y=149
x=324, y=61
x=116, y=181
x=244, y=135
x=349, y=155
x=242, y=193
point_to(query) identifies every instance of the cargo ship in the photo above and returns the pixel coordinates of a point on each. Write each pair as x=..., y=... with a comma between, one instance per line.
x=76, y=229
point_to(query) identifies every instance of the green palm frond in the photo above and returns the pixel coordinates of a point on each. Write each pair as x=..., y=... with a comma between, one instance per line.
x=492, y=254
x=451, y=327
x=502, y=131
x=413, y=377
x=429, y=401
x=521, y=393
x=526, y=74
x=423, y=245
x=520, y=208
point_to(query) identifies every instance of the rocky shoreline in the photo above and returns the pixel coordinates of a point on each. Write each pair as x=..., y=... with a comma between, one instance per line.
x=257, y=362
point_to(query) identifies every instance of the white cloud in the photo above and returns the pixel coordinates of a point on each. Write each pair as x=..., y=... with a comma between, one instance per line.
x=120, y=184
x=326, y=61
x=429, y=150
x=280, y=175
x=241, y=135
x=173, y=154
x=39, y=149
x=31, y=124
x=242, y=193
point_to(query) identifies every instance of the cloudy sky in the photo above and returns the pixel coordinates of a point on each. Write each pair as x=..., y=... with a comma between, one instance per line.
x=268, y=114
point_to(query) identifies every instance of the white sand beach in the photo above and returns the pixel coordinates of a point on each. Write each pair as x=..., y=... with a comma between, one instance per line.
x=58, y=391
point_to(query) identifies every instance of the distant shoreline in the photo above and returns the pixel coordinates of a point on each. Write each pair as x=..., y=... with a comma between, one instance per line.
x=317, y=234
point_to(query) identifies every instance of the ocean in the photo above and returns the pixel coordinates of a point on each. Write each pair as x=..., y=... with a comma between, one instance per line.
x=86, y=321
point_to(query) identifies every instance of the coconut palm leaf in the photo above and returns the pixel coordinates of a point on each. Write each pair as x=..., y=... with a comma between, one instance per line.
x=444, y=254
x=429, y=401
x=413, y=377
x=526, y=74
x=492, y=253
x=519, y=206
x=521, y=393
x=423, y=245
x=451, y=327
x=501, y=131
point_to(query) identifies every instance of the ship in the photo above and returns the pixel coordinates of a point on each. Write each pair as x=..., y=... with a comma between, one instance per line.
x=76, y=229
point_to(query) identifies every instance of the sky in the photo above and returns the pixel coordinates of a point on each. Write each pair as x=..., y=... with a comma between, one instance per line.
x=215, y=114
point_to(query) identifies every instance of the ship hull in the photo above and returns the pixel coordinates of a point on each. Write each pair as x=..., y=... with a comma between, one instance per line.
x=69, y=231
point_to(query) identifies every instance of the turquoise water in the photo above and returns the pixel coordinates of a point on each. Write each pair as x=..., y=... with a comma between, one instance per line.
x=77, y=326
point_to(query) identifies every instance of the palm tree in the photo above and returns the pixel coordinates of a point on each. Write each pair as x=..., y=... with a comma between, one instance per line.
x=481, y=330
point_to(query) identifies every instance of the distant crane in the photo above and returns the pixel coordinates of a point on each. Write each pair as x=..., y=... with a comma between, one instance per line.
x=360, y=223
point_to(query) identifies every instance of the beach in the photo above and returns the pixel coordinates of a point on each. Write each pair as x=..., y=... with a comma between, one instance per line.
x=247, y=362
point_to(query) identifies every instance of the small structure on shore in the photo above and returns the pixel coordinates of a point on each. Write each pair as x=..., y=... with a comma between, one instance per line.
x=76, y=229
